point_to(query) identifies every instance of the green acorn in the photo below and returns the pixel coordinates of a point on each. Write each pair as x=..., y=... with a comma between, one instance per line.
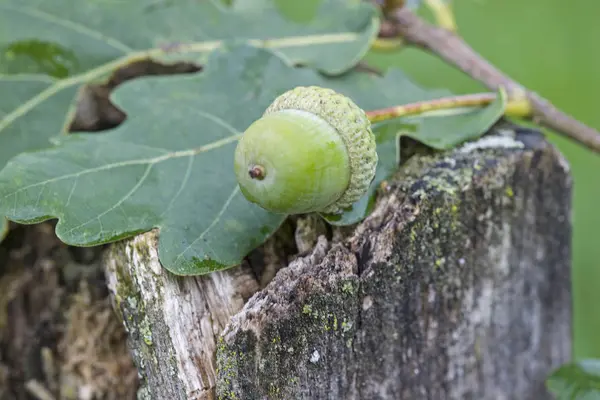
x=312, y=151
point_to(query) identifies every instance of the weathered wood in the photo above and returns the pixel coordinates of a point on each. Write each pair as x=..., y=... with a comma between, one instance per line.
x=173, y=322
x=457, y=286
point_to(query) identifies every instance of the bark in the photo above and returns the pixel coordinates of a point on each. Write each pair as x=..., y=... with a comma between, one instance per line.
x=457, y=286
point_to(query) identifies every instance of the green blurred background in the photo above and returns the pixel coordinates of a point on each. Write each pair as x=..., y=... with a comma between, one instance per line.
x=552, y=47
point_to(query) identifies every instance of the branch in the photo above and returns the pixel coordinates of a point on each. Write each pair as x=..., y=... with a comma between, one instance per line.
x=451, y=48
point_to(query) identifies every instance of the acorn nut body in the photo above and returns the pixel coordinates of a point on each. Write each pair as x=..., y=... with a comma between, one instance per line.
x=312, y=151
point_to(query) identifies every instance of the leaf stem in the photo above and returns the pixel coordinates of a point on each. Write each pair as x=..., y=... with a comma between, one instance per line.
x=442, y=11
x=516, y=107
x=387, y=44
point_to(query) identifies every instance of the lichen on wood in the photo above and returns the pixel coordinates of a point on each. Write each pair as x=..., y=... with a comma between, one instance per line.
x=457, y=286
x=173, y=322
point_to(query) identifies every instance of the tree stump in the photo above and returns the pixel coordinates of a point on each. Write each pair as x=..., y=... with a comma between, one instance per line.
x=457, y=286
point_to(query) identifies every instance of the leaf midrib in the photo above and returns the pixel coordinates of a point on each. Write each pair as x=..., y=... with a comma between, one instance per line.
x=149, y=161
x=210, y=226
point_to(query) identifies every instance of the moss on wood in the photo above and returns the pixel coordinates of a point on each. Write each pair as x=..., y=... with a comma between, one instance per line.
x=457, y=286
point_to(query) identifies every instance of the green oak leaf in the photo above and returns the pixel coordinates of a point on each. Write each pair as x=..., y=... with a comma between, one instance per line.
x=576, y=381
x=170, y=164
x=48, y=49
x=41, y=122
x=59, y=40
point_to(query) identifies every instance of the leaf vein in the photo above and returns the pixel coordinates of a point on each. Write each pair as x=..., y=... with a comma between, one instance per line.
x=40, y=195
x=71, y=192
x=212, y=224
x=101, y=226
x=181, y=186
x=118, y=203
x=219, y=121
x=183, y=153
x=27, y=106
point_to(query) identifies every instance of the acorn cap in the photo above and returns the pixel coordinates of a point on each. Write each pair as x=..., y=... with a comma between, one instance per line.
x=352, y=124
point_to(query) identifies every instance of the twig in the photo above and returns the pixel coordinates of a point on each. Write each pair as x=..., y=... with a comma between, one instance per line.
x=455, y=51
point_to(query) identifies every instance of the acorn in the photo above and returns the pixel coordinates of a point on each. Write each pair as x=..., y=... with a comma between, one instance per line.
x=312, y=150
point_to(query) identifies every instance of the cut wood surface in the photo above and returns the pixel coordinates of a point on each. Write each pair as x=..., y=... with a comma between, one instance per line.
x=457, y=286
